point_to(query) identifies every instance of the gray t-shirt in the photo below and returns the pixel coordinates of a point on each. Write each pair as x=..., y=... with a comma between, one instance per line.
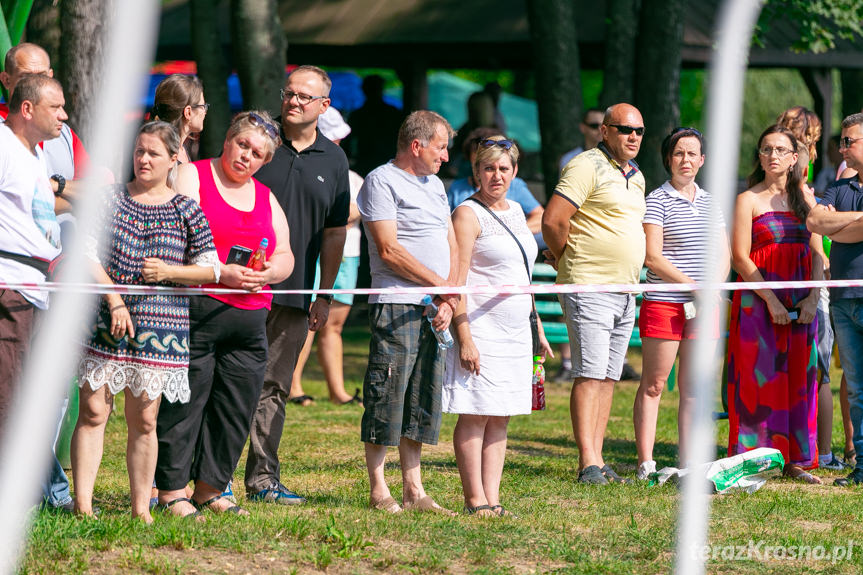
x=419, y=207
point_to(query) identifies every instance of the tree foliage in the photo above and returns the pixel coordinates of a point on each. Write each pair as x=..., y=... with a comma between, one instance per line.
x=819, y=22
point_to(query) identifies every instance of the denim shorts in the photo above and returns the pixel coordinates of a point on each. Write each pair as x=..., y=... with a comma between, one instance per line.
x=402, y=386
x=599, y=327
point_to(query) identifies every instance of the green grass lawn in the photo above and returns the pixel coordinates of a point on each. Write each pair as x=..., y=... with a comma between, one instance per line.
x=563, y=527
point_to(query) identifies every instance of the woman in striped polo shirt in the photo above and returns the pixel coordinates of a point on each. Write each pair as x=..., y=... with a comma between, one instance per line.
x=677, y=225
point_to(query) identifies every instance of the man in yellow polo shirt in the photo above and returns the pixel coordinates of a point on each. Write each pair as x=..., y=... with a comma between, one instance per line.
x=592, y=225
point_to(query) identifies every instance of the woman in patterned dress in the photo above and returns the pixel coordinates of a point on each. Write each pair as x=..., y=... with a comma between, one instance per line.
x=139, y=343
x=772, y=391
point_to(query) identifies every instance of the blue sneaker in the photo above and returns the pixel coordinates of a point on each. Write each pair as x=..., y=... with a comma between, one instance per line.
x=276, y=493
x=228, y=493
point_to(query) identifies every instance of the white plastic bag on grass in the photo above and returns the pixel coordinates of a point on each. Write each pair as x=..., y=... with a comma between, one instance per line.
x=746, y=471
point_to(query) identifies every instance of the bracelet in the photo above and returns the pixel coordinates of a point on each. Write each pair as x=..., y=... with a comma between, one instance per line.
x=116, y=307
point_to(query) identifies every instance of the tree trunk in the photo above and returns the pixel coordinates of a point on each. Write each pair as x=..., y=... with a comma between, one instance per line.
x=82, y=48
x=259, y=52
x=621, y=30
x=213, y=70
x=558, y=82
x=43, y=28
x=658, y=80
x=852, y=95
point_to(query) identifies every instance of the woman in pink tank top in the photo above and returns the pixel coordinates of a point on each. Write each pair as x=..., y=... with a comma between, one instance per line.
x=203, y=439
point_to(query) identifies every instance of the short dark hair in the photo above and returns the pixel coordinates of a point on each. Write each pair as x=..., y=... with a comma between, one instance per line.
x=670, y=142
x=29, y=89
x=590, y=111
x=852, y=120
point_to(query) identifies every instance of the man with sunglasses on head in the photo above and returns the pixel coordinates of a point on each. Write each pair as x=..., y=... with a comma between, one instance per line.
x=309, y=177
x=592, y=225
x=839, y=214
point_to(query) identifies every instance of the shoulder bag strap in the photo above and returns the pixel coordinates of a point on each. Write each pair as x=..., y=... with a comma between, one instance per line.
x=495, y=216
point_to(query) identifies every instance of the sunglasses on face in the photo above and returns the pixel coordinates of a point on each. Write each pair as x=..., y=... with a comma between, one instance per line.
x=302, y=99
x=488, y=143
x=258, y=121
x=847, y=142
x=593, y=125
x=780, y=152
x=627, y=130
x=205, y=106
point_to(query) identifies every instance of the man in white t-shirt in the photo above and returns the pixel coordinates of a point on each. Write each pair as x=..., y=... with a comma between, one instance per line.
x=411, y=243
x=29, y=233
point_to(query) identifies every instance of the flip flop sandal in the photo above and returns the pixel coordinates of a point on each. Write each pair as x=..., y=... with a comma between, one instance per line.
x=481, y=511
x=500, y=510
x=166, y=508
x=302, y=400
x=235, y=509
x=357, y=398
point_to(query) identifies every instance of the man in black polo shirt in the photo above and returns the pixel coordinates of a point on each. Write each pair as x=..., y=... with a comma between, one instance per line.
x=309, y=177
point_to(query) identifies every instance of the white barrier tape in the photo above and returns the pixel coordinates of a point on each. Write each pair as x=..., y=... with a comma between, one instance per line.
x=486, y=290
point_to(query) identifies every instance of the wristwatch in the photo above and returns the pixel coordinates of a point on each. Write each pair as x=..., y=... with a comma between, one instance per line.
x=61, y=184
x=326, y=297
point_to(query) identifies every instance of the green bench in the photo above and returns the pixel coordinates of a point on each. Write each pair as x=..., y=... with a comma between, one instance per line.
x=549, y=310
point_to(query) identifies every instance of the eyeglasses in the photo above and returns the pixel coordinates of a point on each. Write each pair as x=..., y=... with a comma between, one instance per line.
x=302, y=99
x=780, y=152
x=205, y=106
x=505, y=144
x=593, y=125
x=847, y=142
x=627, y=130
x=682, y=129
x=258, y=121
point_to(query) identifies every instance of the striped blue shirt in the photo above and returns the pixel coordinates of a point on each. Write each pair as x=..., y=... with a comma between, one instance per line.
x=685, y=233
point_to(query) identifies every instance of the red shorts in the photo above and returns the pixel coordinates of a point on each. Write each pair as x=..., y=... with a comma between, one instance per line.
x=666, y=320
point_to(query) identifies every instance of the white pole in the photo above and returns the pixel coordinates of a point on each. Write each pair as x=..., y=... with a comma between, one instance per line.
x=725, y=110
x=28, y=433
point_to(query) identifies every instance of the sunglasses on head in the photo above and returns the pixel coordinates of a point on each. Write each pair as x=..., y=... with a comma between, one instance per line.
x=488, y=143
x=627, y=130
x=682, y=129
x=258, y=121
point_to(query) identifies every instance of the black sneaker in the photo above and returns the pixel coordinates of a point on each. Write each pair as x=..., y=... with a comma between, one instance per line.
x=854, y=478
x=592, y=475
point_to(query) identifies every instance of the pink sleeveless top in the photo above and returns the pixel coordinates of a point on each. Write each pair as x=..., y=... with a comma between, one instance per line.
x=231, y=227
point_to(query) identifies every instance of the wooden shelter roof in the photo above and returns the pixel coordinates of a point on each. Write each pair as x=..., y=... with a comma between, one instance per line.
x=471, y=34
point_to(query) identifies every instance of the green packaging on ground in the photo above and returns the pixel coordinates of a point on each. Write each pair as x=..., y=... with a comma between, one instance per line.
x=746, y=471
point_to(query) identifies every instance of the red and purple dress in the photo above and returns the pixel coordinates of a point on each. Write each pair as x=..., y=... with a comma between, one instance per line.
x=772, y=390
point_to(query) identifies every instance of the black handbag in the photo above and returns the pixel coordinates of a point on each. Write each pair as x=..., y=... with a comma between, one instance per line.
x=534, y=318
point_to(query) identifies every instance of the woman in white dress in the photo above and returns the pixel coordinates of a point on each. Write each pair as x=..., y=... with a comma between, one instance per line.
x=488, y=379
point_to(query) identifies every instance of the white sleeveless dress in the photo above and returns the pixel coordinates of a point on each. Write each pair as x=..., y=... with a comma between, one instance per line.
x=499, y=324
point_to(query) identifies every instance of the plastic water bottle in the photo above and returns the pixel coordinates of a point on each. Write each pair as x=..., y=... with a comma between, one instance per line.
x=256, y=262
x=538, y=383
x=444, y=338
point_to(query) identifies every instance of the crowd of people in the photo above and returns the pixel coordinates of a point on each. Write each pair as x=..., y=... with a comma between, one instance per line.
x=279, y=209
